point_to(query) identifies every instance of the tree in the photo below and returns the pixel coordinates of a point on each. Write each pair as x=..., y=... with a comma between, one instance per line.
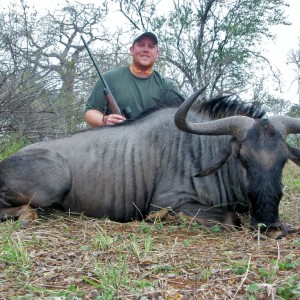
x=209, y=41
x=45, y=71
x=20, y=81
x=294, y=60
x=60, y=50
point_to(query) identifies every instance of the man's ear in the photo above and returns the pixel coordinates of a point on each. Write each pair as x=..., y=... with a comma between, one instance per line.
x=131, y=50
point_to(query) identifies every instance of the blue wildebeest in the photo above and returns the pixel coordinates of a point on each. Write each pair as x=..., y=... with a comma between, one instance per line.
x=226, y=158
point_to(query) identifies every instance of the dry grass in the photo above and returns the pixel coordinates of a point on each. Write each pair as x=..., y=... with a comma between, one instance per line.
x=73, y=257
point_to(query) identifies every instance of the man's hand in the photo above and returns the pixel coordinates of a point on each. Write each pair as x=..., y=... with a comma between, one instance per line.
x=113, y=119
x=95, y=118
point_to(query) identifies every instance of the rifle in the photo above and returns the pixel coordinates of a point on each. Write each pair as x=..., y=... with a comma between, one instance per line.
x=107, y=93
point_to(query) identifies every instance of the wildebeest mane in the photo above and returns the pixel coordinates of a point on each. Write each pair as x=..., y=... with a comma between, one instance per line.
x=215, y=108
x=226, y=106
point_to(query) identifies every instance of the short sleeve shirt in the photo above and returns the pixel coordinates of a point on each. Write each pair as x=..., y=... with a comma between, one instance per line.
x=130, y=91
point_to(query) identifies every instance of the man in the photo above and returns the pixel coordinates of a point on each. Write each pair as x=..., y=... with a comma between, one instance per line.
x=137, y=86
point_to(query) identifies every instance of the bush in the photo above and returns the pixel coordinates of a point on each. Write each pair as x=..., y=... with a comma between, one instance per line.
x=11, y=143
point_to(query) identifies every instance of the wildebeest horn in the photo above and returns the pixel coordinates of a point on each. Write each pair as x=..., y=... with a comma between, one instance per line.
x=235, y=126
x=288, y=125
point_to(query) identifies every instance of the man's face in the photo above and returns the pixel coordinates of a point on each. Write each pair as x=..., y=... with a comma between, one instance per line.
x=144, y=52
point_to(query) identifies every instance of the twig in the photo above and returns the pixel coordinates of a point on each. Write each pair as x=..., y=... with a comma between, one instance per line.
x=248, y=267
x=137, y=209
x=278, y=256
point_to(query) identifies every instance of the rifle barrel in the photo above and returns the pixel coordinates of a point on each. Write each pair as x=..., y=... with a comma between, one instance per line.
x=108, y=95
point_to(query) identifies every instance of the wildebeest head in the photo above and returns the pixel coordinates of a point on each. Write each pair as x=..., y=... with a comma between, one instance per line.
x=260, y=151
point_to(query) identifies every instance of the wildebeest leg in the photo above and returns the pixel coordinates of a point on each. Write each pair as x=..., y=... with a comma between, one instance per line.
x=32, y=178
x=208, y=216
x=25, y=214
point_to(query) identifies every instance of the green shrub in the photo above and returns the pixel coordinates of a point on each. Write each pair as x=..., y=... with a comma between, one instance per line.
x=11, y=143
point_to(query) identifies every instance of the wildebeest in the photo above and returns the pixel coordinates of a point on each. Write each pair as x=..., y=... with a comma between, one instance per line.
x=226, y=158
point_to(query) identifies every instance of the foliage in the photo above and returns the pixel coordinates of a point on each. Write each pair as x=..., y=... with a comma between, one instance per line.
x=271, y=104
x=44, y=79
x=294, y=60
x=294, y=111
x=213, y=41
x=11, y=143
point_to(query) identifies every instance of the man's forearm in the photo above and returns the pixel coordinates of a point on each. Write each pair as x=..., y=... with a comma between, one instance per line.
x=94, y=118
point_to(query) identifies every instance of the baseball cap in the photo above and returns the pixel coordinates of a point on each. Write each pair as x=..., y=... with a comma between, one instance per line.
x=139, y=35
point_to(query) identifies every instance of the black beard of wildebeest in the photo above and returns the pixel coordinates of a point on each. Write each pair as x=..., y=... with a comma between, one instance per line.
x=265, y=187
x=209, y=160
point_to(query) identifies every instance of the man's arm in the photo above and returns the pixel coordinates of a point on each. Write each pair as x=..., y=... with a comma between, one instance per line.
x=95, y=118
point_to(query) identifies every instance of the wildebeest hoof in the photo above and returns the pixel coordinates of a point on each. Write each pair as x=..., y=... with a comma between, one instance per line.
x=278, y=230
x=27, y=216
x=24, y=224
x=161, y=215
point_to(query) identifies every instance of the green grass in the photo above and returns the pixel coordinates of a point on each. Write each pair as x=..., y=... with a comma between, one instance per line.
x=13, y=251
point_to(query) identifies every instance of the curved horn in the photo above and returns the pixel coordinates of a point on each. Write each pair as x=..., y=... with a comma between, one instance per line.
x=180, y=116
x=235, y=126
x=287, y=125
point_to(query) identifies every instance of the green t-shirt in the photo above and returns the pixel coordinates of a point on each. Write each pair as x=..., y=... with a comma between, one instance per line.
x=130, y=91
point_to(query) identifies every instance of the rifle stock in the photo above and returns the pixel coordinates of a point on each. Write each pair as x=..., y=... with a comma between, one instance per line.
x=114, y=108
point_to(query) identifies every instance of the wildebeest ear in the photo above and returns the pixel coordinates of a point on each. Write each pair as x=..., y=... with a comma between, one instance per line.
x=219, y=160
x=294, y=155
